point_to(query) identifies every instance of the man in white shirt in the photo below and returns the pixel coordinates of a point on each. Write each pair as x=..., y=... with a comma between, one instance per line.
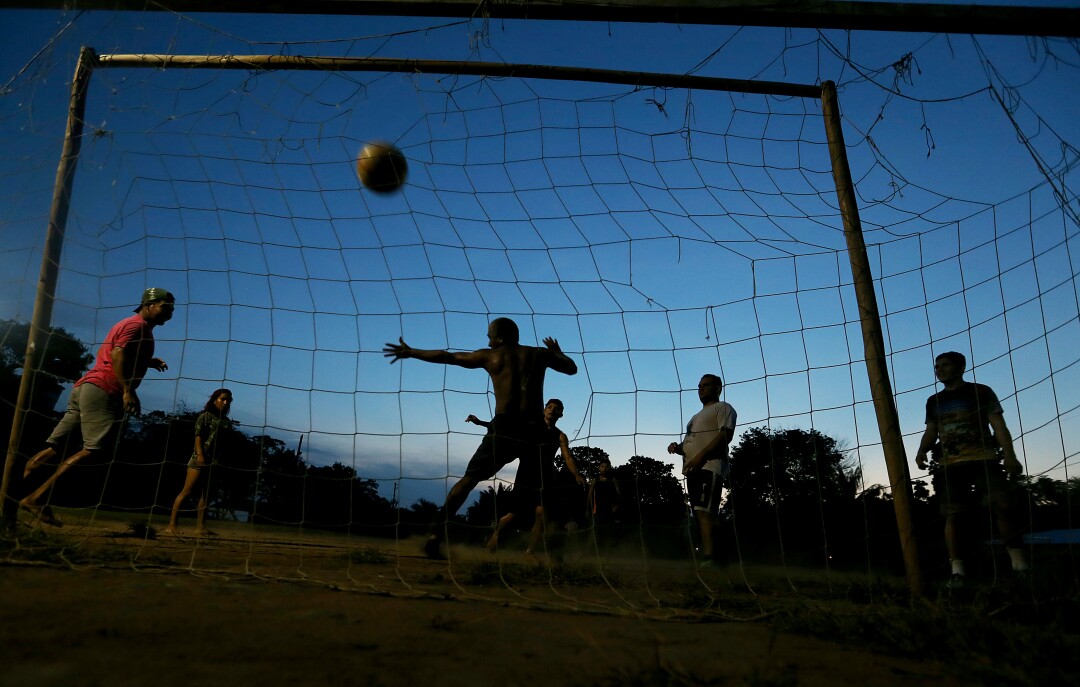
x=705, y=460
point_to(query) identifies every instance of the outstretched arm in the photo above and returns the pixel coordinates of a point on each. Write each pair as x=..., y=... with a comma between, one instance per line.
x=560, y=362
x=402, y=350
x=477, y=421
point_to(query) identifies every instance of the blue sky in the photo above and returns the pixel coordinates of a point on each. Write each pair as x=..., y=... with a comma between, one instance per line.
x=657, y=234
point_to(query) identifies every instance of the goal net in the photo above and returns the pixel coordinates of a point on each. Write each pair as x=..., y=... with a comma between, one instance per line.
x=658, y=233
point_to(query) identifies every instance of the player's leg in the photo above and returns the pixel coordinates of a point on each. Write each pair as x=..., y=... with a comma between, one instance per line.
x=493, y=541
x=99, y=417
x=535, y=535
x=707, y=530
x=32, y=502
x=1003, y=499
x=200, y=511
x=958, y=490
x=68, y=423
x=39, y=459
x=190, y=481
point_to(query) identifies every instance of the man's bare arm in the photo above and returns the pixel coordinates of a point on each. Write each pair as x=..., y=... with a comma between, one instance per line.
x=560, y=362
x=123, y=369
x=568, y=458
x=929, y=438
x=1005, y=441
x=402, y=350
x=477, y=421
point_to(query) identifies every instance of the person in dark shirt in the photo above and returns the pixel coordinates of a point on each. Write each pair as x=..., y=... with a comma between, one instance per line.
x=965, y=423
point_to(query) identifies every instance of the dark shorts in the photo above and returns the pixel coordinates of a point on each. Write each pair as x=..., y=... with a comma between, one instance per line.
x=705, y=487
x=972, y=483
x=510, y=438
x=535, y=478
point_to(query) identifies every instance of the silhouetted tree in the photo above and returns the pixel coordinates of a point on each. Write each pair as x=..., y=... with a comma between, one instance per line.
x=64, y=360
x=587, y=458
x=650, y=487
x=491, y=504
x=793, y=492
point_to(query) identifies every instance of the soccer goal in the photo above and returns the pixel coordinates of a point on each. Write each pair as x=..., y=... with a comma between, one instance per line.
x=660, y=227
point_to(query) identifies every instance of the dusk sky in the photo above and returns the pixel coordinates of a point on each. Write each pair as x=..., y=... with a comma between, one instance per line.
x=657, y=234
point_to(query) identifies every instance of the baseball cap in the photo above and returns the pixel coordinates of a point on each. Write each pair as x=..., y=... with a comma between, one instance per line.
x=154, y=294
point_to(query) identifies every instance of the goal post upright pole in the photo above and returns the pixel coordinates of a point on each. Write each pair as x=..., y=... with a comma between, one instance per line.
x=41, y=320
x=873, y=341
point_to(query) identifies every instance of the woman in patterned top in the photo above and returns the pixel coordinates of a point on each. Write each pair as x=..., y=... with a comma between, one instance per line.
x=214, y=417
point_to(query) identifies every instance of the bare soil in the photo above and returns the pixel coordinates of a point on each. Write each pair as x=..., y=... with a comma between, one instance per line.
x=90, y=605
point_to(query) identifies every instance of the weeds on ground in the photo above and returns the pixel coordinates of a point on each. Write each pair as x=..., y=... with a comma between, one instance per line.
x=36, y=546
x=493, y=572
x=137, y=529
x=660, y=676
x=1002, y=636
x=367, y=555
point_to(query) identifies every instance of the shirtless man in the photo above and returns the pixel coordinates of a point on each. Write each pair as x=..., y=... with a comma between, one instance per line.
x=517, y=430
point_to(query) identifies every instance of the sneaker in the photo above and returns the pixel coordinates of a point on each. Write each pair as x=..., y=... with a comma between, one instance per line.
x=956, y=582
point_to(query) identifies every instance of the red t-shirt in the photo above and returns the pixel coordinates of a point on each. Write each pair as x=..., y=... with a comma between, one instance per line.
x=134, y=334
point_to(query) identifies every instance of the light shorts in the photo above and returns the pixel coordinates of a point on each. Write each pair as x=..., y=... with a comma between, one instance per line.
x=94, y=412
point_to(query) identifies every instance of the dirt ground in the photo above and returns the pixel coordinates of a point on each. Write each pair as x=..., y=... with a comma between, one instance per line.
x=240, y=609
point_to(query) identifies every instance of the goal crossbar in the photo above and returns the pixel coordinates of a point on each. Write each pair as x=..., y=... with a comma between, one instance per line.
x=490, y=69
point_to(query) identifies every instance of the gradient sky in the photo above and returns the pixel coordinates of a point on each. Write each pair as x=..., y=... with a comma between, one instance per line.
x=657, y=234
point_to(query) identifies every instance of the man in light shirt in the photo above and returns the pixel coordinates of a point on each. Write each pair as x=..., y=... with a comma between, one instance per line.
x=705, y=460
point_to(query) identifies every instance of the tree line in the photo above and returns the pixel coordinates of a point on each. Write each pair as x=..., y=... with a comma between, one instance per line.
x=794, y=495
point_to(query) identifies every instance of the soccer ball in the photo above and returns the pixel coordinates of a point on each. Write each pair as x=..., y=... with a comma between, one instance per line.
x=381, y=167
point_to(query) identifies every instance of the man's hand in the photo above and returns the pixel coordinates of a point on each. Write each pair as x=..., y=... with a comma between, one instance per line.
x=398, y=351
x=1013, y=468
x=579, y=479
x=131, y=403
x=158, y=364
x=693, y=464
x=675, y=448
x=920, y=460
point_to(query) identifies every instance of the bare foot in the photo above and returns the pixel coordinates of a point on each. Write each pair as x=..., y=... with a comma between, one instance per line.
x=205, y=533
x=530, y=558
x=42, y=514
x=172, y=530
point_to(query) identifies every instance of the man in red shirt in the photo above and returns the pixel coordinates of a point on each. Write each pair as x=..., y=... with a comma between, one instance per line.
x=104, y=394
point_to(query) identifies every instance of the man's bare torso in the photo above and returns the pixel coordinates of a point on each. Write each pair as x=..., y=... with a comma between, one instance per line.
x=517, y=375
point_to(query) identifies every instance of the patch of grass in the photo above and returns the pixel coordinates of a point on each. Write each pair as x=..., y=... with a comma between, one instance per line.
x=493, y=572
x=137, y=529
x=1020, y=643
x=663, y=676
x=367, y=555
